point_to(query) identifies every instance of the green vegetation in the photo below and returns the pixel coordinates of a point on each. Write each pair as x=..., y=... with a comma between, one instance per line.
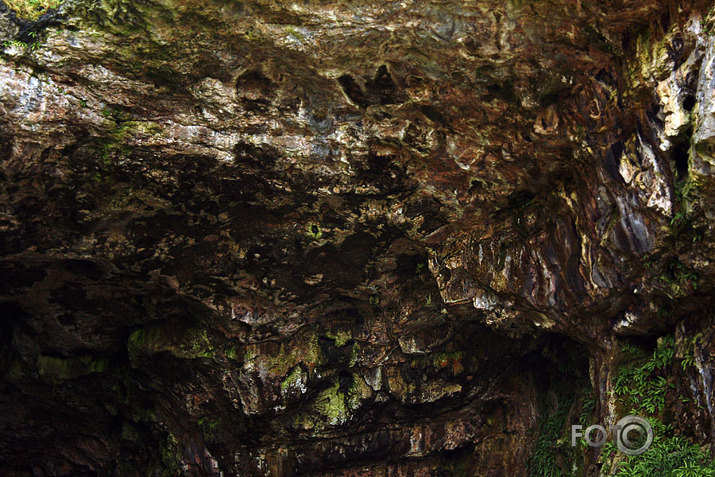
x=170, y=456
x=669, y=456
x=552, y=440
x=292, y=31
x=129, y=432
x=59, y=369
x=32, y=9
x=293, y=380
x=230, y=352
x=571, y=401
x=682, y=225
x=332, y=404
x=314, y=231
x=588, y=409
x=449, y=360
x=192, y=343
x=22, y=45
x=331, y=408
x=641, y=387
x=680, y=279
x=280, y=360
x=688, y=351
x=553, y=454
x=208, y=427
x=340, y=337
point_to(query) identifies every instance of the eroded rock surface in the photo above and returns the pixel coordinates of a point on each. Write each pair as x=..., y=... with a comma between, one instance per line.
x=347, y=238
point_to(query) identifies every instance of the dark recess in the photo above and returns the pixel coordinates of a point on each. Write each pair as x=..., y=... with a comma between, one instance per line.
x=689, y=102
x=680, y=153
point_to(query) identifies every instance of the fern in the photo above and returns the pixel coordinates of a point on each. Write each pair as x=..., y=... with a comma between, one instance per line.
x=642, y=388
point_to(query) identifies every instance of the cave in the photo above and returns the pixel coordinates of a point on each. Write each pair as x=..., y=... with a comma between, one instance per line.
x=357, y=239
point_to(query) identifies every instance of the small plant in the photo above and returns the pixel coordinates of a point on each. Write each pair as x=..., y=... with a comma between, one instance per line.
x=688, y=361
x=22, y=45
x=607, y=452
x=631, y=349
x=208, y=427
x=693, y=469
x=291, y=31
x=588, y=409
x=689, y=348
x=679, y=276
x=677, y=219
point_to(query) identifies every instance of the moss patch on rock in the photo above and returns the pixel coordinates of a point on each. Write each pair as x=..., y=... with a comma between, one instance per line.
x=191, y=343
x=59, y=369
x=32, y=9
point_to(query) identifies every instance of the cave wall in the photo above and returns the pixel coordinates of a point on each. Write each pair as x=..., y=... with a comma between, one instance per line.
x=349, y=238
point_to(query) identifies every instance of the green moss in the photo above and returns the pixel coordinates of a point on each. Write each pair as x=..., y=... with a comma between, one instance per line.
x=190, y=344
x=32, y=9
x=136, y=128
x=314, y=231
x=295, y=33
x=60, y=369
x=288, y=355
x=130, y=433
x=114, y=145
x=354, y=355
x=171, y=454
x=341, y=337
x=293, y=380
x=14, y=372
x=456, y=466
x=451, y=360
x=332, y=405
x=115, y=113
x=142, y=337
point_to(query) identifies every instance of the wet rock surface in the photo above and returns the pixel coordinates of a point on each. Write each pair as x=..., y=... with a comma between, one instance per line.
x=346, y=238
